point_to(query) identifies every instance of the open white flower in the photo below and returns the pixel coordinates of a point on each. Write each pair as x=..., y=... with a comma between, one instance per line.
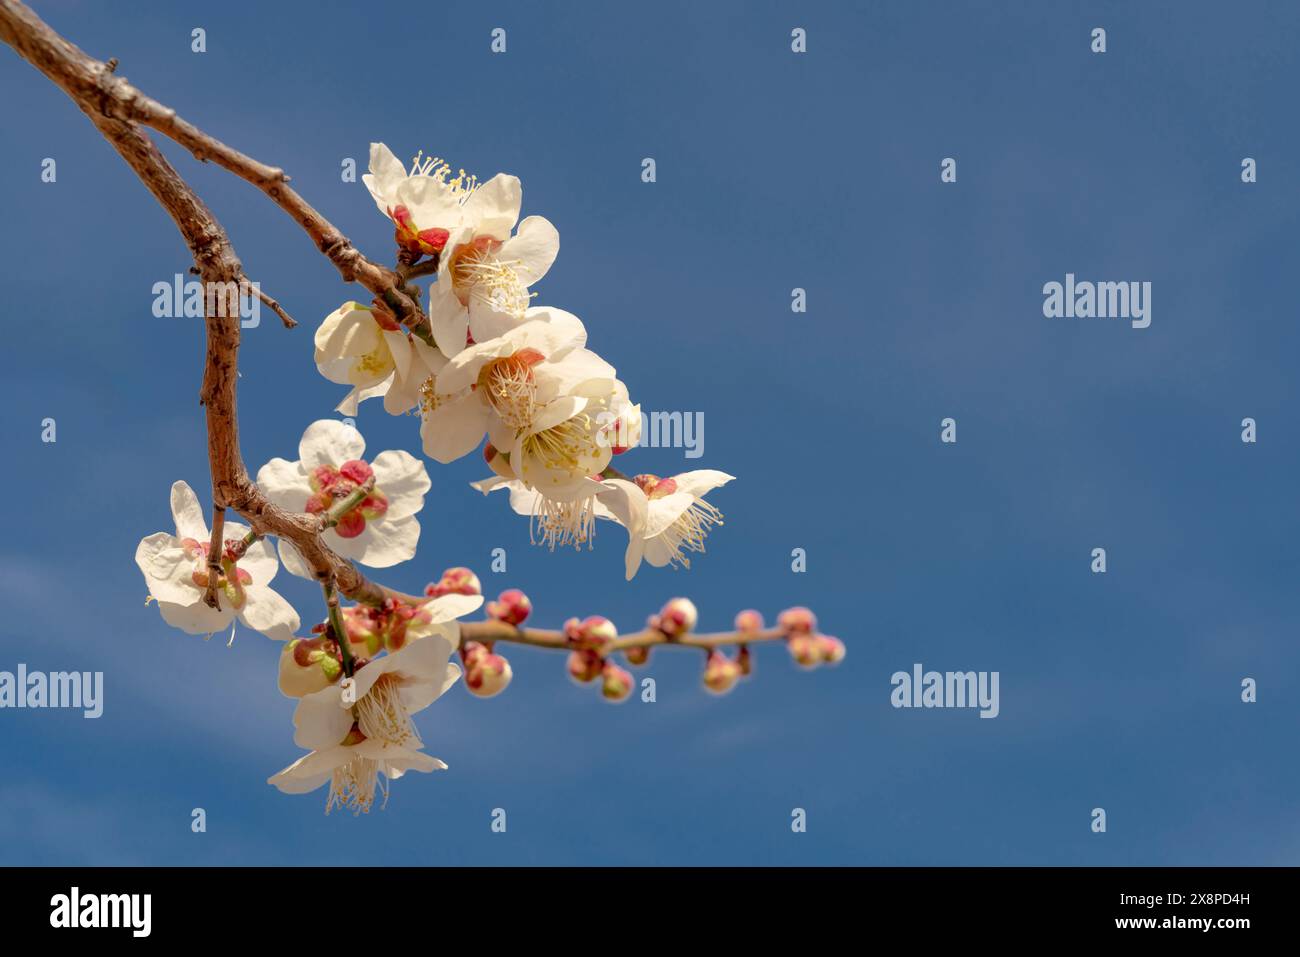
x=355, y=740
x=429, y=206
x=482, y=287
x=371, y=352
x=175, y=567
x=381, y=530
x=500, y=386
x=665, y=517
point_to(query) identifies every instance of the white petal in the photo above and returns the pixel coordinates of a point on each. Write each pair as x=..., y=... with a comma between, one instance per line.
x=265, y=610
x=533, y=247
x=166, y=569
x=310, y=771
x=700, y=481
x=454, y=428
x=293, y=561
x=493, y=208
x=403, y=480
x=188, y=514
x=285, y=483
x=381, y=544
x=329, y=442
x=320, y=721
x=196, y=618
x=260, y=562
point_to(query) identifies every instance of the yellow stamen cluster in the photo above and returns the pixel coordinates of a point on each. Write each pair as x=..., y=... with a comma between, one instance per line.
x=563, y=447
x=499, y=283
x=461, y=186
x=512, y=389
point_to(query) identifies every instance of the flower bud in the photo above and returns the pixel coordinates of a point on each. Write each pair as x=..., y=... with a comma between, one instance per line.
x=512, y=606
x=744, y=660
x=488, y=675
x=797, y=620
x=455, y=581
x=593, y=633
x=584, y=666
x=749, y=620
x=805, y=649
x=678, y=617
x=308, y=665
x=617, y=684
x=365, y=630
x=473, y=651
x=720, y=673
x=832, y=649
x=637, y=655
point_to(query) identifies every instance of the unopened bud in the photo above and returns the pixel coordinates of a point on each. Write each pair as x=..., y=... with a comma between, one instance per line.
x=720, y=673
x=308, y=665
x=678, y=617
x=584, y=666
x=617, y=683
x=488, y=675
x=472, y=651
x=593, y=633
x=455, y=581
x=832, y=649
x=745, y=660
x=805, y=650
x=512, y=606
x=797, y=620
x=637, y=655
x=749, y=620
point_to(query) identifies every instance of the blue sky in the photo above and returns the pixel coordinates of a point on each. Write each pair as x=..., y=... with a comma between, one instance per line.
x=775, y=171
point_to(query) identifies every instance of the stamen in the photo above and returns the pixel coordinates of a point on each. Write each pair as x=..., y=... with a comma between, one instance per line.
x=382, y=716
x=461, y=187
x=512, y=389
x=563, y=447
x=689, y=531
x=352, y=786
x=563, y=523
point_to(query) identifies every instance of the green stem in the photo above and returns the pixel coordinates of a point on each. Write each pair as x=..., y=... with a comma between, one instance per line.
x=336, y=623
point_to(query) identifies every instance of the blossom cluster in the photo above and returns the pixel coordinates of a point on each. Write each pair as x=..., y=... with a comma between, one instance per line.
x=491, y=369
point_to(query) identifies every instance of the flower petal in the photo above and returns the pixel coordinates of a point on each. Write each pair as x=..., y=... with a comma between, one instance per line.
x=329, y=442
x=188, y=514
x=403, y=480
x=265, y=610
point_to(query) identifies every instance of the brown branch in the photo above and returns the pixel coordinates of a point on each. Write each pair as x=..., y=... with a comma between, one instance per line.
x=112, y=106
x=216, y=546
x=492, y=630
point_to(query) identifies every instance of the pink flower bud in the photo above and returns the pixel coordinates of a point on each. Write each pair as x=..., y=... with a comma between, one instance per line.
x=512, y=606
x=488, y=675
x=455, y=581
x=749, y=620
x=678, y=617
x=365, y=630
x=584, y=666
x=617, y=684
x=472, y=652
x=720, y=673
x=832, y=649
x=797, y=620
x=593, y=633
x=638, y=655
x=805, y=650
